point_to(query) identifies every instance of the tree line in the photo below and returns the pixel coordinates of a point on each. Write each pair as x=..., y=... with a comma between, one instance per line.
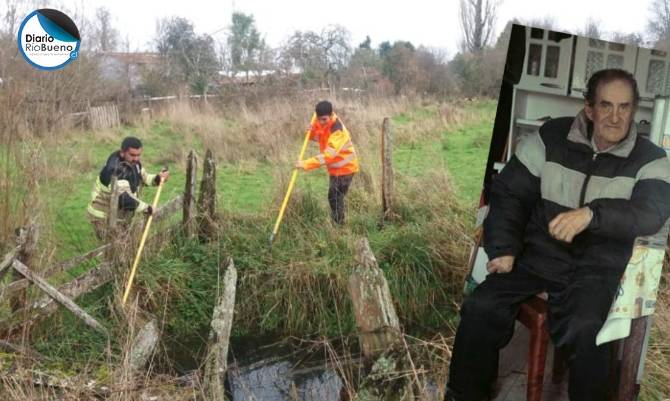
x=197, y=63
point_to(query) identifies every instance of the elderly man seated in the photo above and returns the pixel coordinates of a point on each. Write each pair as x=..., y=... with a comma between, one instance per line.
x=564, y=213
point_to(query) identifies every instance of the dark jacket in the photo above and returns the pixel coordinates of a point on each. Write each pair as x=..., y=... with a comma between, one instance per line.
x=130, y=178
x=627, y=187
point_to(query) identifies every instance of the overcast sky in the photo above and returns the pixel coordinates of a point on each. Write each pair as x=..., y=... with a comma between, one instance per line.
x=433, y=24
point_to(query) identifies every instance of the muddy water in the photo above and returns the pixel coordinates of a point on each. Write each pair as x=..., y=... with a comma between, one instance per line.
x=284, y=381
x=279, y=381
x=279, y=374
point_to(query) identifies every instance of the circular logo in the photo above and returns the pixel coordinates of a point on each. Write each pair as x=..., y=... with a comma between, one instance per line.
x=48, y=39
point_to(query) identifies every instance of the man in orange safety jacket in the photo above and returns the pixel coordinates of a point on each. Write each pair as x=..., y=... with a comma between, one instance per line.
x=337, y=154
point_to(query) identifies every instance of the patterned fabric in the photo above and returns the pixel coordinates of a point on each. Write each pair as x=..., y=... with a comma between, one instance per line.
x=636, y=295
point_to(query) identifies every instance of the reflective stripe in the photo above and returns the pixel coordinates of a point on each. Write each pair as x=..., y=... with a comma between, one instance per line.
x=96, y=213
x=123, y=186
x=100, y=187
x=347, y=146
x=330, y=151
x=343, y=162
x=141, y=207
x=321, y=158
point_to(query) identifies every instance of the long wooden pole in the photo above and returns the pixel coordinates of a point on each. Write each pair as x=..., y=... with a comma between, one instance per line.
x=144, y=238
x=291, y=183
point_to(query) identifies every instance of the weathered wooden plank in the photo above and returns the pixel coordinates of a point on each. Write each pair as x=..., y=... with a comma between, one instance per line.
x=112, y=215
x=27, y=239
x=63, y=266
x=189, y=217
x=207, y=226
x=632, y=351
x=58, y=296
x=387, y=168
x=9, y=347
x=77, y=260
x=83, y=284
x=376, y=318
x=169, y=208
x=219, y=336
x=7, y=262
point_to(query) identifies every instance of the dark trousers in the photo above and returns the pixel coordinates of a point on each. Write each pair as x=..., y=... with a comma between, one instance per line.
x=577, y=311
x=339, y=186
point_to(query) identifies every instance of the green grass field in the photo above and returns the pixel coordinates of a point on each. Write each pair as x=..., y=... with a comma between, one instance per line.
x=248, y=187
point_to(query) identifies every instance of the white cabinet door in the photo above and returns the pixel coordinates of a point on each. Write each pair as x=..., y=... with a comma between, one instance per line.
x=546, y=66
x=652, y=73
x=592, y=55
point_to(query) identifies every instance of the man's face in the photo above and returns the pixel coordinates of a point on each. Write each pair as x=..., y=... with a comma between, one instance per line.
x=132, y=155
x=611, y=113
x=323, y=120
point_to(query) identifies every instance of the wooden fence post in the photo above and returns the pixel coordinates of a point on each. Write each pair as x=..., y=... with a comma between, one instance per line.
x=27, y=239
x=189, y=217
x=112, y=220
x=207, y=226
x=387, y=169
x=219, y=337
x=376, y=318
x=112, y=217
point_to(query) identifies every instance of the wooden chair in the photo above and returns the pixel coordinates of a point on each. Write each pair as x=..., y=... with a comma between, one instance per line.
x=624, y=372
x=533, y=315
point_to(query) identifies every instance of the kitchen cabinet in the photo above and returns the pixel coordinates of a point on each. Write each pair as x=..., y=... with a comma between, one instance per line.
x=546, y=66
x=592, y=55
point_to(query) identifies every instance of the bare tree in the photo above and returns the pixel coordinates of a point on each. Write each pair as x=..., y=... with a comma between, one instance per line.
x=478, y=23
x=546, y=22
x=321, y=57
x=658, y=26
x=592, y=29
x=10, y=19
x=105, y=38
x=634, y=38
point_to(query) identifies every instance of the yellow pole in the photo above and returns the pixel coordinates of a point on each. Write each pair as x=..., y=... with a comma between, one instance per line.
x=144, y=238
x=289, y=190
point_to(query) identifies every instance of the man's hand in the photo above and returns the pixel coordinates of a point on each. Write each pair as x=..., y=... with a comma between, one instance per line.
x=165, y=174
x=501, y=264
x=567, y=225
x=299, y=164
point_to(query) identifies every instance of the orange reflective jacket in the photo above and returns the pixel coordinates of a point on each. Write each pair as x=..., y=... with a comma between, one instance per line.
x=337, y=150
